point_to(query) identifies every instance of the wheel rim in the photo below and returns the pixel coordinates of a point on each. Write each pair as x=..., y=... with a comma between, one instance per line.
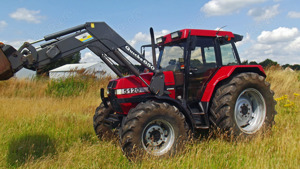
x=158, y=137
x=250, y=111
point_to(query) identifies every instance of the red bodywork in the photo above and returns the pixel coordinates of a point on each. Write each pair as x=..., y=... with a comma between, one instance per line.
x=133, y=82
x=127, y=88
x=223, y=73
x=198, y=32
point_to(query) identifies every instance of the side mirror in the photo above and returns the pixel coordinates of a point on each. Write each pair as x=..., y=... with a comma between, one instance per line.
x=221, y=40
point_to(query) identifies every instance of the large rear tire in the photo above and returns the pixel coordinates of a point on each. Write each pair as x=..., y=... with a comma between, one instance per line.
x=103, y=131
x=158, y=129
x=243, y=106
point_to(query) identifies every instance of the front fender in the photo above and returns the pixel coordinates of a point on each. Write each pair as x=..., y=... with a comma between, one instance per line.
x=179, y=105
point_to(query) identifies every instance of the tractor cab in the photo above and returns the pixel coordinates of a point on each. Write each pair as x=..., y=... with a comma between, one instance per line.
x=194, y=56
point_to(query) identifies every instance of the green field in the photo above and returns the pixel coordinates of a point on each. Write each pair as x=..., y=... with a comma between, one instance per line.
x=42, y=129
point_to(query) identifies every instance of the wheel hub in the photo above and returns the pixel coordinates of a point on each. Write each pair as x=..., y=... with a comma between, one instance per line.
x=250, y=110
x=158, y=137
x=245, y=109
x=244, y=113
x=155, y=135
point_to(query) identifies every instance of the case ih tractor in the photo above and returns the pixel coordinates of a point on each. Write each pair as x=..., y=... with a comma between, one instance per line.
x=197, y=83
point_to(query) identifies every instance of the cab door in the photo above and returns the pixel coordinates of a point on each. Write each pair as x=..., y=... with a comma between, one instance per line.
x=202, y=66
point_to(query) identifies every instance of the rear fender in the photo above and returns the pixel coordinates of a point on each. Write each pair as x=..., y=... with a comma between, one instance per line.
x=226, y=72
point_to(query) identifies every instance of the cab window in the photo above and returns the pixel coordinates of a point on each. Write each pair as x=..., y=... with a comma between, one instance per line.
x=228, y=54
x=203, y=56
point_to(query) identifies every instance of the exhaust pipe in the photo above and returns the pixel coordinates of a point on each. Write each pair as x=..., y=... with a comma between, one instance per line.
x=153, y=47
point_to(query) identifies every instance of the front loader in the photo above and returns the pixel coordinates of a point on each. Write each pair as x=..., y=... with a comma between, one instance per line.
x=197, y=83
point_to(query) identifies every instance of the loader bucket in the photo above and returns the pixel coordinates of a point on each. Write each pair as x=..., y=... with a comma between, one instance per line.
x=5, y=67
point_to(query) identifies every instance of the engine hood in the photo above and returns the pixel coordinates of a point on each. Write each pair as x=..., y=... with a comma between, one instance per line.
x=130, y=86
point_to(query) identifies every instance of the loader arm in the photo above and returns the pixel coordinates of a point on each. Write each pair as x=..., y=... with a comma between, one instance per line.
x=96, y=36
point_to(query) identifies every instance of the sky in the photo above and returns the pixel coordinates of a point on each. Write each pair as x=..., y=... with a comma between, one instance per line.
x=271, y=28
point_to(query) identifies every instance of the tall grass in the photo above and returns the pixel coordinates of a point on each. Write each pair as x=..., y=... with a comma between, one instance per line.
x=67, y=87
x=38, y=130
x=283, y=82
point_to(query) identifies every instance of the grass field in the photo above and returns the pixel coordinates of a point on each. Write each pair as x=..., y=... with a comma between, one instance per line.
x=39, y=129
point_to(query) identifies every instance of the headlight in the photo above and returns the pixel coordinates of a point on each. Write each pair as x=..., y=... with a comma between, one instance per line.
x=175, y=35
x=160, y=40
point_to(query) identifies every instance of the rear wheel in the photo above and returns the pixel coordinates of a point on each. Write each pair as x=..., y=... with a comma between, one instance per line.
x=243, y=106
x=158, y=129
x=103, y=131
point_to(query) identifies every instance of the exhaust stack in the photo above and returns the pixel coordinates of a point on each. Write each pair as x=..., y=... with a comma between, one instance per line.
x=153, y=47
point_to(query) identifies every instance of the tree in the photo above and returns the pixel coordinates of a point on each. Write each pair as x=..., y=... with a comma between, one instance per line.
x=285, y=66
x=73, y=58
x=245, y=62
x=295, y=67
x=268, y=63
x=253, y=63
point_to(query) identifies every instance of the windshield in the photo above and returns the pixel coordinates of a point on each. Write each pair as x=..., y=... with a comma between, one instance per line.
x=202, y=56
x=171, y=57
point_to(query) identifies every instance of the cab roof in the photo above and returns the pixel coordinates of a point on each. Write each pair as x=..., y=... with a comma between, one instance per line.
x=183, y=34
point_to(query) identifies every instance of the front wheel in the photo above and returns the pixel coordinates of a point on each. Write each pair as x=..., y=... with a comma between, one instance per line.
x=158, y=129
x=243, y=106
x=103, y=131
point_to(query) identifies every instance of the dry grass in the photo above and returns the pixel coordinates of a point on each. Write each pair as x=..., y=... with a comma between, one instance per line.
x=283, y=82
x=42, y=131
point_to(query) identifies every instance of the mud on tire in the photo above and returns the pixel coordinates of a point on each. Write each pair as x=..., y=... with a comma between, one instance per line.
x=158, y=129
x=243, y=106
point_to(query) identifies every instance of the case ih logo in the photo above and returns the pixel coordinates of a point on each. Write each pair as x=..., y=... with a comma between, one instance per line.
x=140, y=58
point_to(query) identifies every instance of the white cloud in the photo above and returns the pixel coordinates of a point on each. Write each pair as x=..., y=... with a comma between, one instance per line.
x=3, y=24
x=281, y=45
x=145, y=38
x=17, y=43
x=294, y=46
x=139, y=37
x=29, y=16
x=261, y=14
x=280, y=34
x=293, y=14
x=222, y=7
x=89, y=57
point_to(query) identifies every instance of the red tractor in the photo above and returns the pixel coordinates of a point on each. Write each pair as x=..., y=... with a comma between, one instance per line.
x=198, y=83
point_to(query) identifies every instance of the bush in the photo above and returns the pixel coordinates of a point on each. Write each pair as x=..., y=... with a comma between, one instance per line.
x=71, y=86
